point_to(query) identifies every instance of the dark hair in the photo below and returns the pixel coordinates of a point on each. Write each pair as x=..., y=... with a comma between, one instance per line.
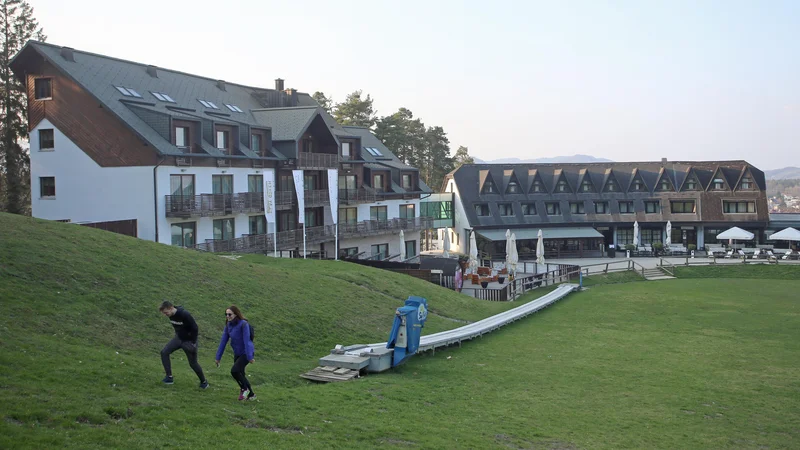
x=166, y=304
x=236, y=312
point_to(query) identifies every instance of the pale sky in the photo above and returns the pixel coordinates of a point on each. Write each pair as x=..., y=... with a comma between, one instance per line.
x=624, y=80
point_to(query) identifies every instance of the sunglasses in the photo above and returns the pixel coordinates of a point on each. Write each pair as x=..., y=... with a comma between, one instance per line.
x=229, y=314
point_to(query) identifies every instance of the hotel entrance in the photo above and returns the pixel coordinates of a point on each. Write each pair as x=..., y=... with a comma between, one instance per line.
x=686, y=235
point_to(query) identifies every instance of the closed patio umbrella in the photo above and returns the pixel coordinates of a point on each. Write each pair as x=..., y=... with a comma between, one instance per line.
x=668, y=239
x=540, y=248
x=508, y=249
x=473, y=253
x=446, y=252
x=402, y=246
x=636, y=233
x=514, y=258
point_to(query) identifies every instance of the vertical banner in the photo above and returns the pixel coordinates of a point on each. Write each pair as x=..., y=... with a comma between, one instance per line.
x=269, y=206
x=333, y=195
x=301, y=203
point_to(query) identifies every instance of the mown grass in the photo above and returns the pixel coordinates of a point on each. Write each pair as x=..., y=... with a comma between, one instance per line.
x=695, y=363
x=786, y=271
x=596, y=279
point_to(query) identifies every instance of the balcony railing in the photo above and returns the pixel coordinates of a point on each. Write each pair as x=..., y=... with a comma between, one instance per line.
x=354, y=196
x=318, y=161
x=206, y=205
x=314, y=235
x=312, y=198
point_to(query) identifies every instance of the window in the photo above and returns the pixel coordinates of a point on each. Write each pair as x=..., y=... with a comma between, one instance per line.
x=346, y=150
x=378, y=213
x=128, y=92
x=529, y=209
x=562, y=186
x=411, y=249
x=181, y=185
x=482, y=210
x=373, y=151
x=43, y=88
x=665, y=185
x=163, y=97
x=348, y=252
x=255, y=183
x=258, y=225
x=586, y=186
x=652, y=207
x=624, y=236
x=626, y=208
x=46, y=139
x=718, y=184
x=233, y=108
x=182, y=137
x=746, y=184
x=691, y=184
x=310, y=182
x=208, y=104
x=576, y=208
x=407, y=211
x=286, y=220
x=537, y=186
x=682, y=206
x=406, y=181
x=223, y=229
x=347, y=182
x=380, y=251
x=601, y=207
x=183, y=234
x=612, y=186
x=285, y=183
x=637, y=185
x=308, y=145
x=553, y=208
x=513, y=187
x=734, y=207
x=222, y=141
x=47, y=187
x=222, y=184
x=489, y=187
x=506, y=209
x=377, y=182
x=313, y=217
x=710, y=235
x=348, y=216
x=255, y=143
x=650, y=236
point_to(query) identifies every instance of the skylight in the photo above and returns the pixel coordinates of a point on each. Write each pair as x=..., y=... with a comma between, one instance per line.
x=234, y=108
x=163, y=97
x=373, y=151
x=128, y=92
x=208, y=104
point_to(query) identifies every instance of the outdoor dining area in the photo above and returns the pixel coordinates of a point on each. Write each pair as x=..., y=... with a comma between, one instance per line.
x=738, y=248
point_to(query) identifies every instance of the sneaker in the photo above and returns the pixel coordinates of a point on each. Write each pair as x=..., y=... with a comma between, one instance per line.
x=168, y=380
x=204, y=385
x=243, y=393
x=251, y=396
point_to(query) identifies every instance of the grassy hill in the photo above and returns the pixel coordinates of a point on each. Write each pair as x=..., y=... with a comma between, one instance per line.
x=688, y=363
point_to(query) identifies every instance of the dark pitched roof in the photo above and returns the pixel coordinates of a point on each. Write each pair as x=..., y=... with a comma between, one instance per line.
x=288, y=124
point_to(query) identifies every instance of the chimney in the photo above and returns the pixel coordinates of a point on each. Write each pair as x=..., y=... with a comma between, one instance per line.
x=291, y=97
x=663, y=160
x=221, y=85
x=278, y=84
x=152, y=71
x=66, y=53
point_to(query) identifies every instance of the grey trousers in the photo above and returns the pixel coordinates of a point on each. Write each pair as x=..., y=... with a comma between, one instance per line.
x=190, y=348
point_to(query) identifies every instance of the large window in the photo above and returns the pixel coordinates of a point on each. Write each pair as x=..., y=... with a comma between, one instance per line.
x=710, y=236
x=482, y=209
x=348, y=216
x=348, y=252
x=43, y=88
x=347, y=182
x=183, y=234
x=287, y=220
x=380, y=251
x=626, y=207
x=601, y=208
x=553, y=208
x=377, y=182
x=577, y=208
x=224, y=229
x=411, y=249
x=47, y=187
x=258, y=225
x=407, y=211
x=285, y=183
x=650, y=236
x=436, y=210
x=624, y=236
x=310, y=182
x=652, y=207
x=682, y=206
x=314, y=217
x=222, y=184
x=506, y=209
x=46, y=139
x=529, y=209
x=738, y=207
x=255, y=183
x=182, y=185
x=378, y=213
x=407, y=181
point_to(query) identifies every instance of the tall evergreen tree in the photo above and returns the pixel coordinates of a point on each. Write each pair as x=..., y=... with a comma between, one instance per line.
x=436, y=160
x=18, y=26
x=325, y=102
x=355, y=111
x=462, y=157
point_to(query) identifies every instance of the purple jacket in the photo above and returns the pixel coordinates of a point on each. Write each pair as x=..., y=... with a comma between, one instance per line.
x=238, y=332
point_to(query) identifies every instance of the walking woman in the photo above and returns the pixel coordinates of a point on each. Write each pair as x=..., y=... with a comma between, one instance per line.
x=238, y=331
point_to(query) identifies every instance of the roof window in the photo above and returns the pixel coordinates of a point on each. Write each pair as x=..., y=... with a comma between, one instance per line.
x=373, y=151
x=208, y=104
x=234, y=108
x=163, y=97
x=128, y=92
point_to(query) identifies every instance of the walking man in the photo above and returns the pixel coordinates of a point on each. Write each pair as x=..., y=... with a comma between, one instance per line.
x=185, y=338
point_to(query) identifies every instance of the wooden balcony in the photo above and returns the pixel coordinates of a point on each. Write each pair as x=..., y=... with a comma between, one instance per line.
x=377, y=227
x=356, y=196
x=317, y=161
x=312, y=198
x=208, y=205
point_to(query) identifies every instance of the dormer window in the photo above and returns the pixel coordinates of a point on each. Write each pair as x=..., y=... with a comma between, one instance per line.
x=513, y=188
x=163, y=97
x=611, y=186
x=638, y=186
x=489, y=188
x=255, y=143
x=664, y=185
x=537, y=186
x=222, y=141
x=406, y=181
x=345, y=150
x=233, y=108
x=43, y=88
x=208, y=104
x=586, y=186
x=746, y=184
x=691, y=184
x=718, y=184
x=562, y=186
x=128, y=92
x=182, y=137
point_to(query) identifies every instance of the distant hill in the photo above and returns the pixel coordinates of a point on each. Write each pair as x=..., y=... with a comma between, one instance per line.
x=787, y=173
x=555, y=159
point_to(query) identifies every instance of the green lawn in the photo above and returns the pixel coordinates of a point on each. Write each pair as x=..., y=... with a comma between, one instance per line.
x=686, y=363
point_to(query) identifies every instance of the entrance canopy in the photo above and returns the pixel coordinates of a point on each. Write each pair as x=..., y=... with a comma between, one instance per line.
x=547, y=233
x=737, y=234
x=788, y=234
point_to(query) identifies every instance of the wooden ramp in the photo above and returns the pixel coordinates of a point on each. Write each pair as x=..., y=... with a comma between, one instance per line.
x=327, y=374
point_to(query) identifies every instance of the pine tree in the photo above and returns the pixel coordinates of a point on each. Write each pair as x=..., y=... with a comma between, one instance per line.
x=18, y=26
x=355, y=111
x=325, y=102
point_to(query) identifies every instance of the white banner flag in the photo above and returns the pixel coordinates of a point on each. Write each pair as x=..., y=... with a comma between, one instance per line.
x=333, y=193
x=298, y=188
x=269, y=195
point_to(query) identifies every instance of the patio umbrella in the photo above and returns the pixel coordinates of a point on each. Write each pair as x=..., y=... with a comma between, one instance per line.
x=788, y=234
x=540, y=248
x=446, y=252
x=508, y=249
x=473, y=253
x=636, y=233
x=514, y=258
x=668, y=239
x=402, y=246
x=737, y=234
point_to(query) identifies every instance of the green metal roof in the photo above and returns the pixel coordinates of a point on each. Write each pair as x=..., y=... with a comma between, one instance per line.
x=547, y=233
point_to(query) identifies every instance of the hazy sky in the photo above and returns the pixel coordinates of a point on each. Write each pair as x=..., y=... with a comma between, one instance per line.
x=624, y=80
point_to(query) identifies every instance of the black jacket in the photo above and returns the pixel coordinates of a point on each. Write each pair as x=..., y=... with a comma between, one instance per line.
x=184, y=324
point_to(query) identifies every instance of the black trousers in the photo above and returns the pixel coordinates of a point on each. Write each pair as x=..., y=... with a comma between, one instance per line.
x=190, y=348
x=237, y=372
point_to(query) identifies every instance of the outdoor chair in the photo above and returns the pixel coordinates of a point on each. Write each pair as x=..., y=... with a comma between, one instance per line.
x=756, y=254
x=771, y=256
x=742, y=254
x=729, y=254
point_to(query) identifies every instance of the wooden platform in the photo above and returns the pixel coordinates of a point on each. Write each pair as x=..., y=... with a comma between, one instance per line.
x=327, y=374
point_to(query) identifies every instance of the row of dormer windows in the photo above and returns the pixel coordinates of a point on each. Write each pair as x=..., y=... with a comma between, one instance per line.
x=625, y=207
x=691, y=184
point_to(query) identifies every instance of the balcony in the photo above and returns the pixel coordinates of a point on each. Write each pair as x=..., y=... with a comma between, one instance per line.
x=355, y=196
x=317, y=161
x=312, y=198
x=208, y=205
x=378, y=227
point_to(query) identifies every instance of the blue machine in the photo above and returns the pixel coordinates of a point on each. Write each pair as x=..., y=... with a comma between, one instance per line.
x=407, y=329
